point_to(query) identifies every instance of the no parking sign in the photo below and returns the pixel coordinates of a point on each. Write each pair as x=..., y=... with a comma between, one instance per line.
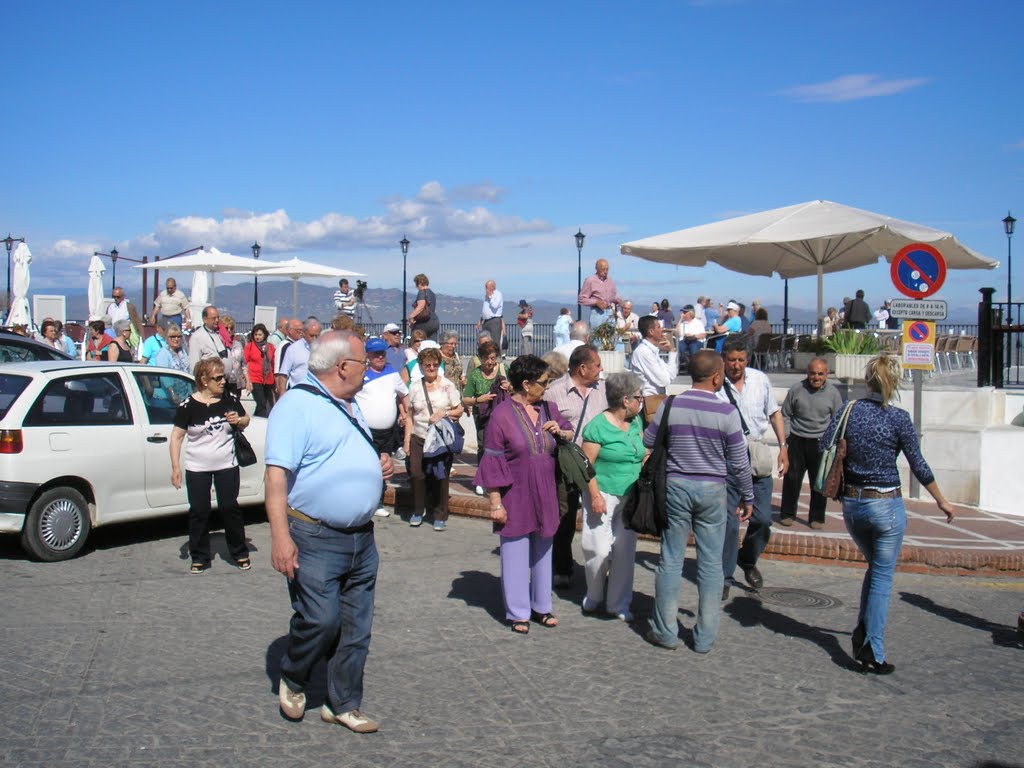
x=919, y=345
x=918, y=270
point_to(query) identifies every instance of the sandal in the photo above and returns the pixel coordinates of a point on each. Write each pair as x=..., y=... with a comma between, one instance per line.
x=520, y=627
x=244, y=563
x=544, y=619
x=197, y=568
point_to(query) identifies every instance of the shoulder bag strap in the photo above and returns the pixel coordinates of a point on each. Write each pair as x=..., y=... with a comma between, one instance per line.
x=426, y=394
x=743, y=422
x=840, y=432
x=579, y=424
x=662, y=438
x=346, y=414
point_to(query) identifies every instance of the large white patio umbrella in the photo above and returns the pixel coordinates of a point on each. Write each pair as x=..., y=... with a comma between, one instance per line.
x=96, y=270
x=206, y=260
x=296, y=269
x=799, y=240
x=20, y=314
x=200, y=295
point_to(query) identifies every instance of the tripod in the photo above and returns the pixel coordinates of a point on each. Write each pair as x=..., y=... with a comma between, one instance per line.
x=360, y=308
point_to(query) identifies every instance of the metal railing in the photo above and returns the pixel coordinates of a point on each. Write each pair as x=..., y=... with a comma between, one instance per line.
x=1000, y=342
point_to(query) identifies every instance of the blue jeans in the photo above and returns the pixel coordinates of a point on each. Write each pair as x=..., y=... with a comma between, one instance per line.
x=699, y=505
x=877, y=527
x=759, y=527
x=332, y=596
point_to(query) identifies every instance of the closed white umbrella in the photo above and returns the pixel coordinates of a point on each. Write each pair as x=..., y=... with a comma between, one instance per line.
x=200, y=295
x=20, y=314
x=96, y=270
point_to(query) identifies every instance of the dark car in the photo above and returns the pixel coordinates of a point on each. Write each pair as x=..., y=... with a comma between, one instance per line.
x=15, y=348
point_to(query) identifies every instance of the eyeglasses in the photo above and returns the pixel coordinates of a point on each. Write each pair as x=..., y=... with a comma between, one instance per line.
x=542, y=383
x=218, y=377
x=363, y=363
x=174, y=336
x=637, y=396
x=430, y=366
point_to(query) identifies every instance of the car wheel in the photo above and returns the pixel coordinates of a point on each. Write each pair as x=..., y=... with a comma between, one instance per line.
x=57, y=525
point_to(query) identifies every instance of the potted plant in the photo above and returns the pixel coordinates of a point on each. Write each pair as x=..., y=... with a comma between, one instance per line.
x=807, y=350
x=607, y=336
x=853, y=350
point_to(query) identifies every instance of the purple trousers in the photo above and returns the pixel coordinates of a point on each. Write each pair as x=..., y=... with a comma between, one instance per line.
x=526, y=575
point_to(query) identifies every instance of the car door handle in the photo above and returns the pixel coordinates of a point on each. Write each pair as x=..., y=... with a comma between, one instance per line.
x=156, y=439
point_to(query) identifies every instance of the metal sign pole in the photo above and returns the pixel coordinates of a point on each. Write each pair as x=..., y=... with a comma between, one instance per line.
x=915, y=486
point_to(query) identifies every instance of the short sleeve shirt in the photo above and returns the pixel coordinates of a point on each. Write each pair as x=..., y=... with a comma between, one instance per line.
x=622, y=453
x=445, y=396
x=210, y=442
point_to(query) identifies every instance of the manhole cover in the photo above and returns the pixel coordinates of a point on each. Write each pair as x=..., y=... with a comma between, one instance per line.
x=797, y=598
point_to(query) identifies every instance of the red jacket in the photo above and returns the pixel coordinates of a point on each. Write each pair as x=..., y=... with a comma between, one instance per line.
x=254, y=363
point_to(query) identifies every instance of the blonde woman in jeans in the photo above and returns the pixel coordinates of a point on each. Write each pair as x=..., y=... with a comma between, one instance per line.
x=876, y=433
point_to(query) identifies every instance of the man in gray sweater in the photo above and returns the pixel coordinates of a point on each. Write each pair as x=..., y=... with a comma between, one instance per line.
x=806, y=412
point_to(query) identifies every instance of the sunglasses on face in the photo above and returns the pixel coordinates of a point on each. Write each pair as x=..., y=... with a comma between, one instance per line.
x=218, y=378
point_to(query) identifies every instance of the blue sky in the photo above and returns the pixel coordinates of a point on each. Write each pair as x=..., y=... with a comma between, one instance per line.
x=488, y=134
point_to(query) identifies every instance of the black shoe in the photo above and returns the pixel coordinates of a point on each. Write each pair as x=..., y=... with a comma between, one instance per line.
x=866, y=660
x=725, y=593
x=753, y=576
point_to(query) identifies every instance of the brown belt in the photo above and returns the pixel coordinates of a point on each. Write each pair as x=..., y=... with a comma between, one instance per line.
x=853, y=492
x=292, y=512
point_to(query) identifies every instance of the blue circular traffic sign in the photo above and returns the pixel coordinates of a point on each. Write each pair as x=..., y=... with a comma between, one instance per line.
x=918, y=270
x=919, y=331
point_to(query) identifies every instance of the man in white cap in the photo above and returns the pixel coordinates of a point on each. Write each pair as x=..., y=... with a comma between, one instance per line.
x=732, y=322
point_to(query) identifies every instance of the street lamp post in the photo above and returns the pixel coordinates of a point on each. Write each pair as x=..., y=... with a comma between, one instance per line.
x=9, y=242
x=579, y=271
x=1008, y=223
x=404, y=242
x=255, y=281
x=113, y=270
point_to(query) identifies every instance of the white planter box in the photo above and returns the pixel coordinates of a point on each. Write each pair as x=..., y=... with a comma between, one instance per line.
x=612, y=361
x=851, y=366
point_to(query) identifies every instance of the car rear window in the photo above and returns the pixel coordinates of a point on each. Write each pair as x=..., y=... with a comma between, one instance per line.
x=10, y=388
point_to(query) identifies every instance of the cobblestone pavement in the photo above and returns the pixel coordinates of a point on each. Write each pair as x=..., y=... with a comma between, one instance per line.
x=121, y=658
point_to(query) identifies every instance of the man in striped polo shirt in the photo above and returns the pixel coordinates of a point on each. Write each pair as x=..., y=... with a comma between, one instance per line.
x=705, y=446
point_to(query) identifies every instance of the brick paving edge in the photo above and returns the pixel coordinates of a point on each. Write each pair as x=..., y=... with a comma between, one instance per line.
x=810, y=548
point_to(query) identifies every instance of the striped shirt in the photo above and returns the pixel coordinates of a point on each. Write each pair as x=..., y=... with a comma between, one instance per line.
x=705, y=441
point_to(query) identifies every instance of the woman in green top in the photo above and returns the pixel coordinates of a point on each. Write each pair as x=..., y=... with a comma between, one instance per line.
x=480, y=393
x=613, y=441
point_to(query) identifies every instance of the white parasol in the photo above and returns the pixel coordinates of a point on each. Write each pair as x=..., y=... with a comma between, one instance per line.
x=296, y=269
x=200, y=295
x=207, y=260
x=20, y=314
x=96, y=270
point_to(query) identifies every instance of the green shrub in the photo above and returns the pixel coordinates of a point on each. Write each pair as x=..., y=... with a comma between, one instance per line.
x=853, y=343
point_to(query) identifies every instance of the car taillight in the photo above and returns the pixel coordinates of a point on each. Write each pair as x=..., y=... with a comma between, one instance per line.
x=10, y=441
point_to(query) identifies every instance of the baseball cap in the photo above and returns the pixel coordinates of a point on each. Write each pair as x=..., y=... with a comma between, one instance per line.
x=376, y=344
x=429, y=344
x=733, y=305
x=391, y=328
x=687, y=308
x=522, y=303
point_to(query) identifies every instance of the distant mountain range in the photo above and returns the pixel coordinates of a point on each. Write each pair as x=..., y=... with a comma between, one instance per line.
x=385, y=305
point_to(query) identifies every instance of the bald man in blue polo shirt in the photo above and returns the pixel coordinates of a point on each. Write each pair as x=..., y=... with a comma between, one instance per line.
x=323, y=482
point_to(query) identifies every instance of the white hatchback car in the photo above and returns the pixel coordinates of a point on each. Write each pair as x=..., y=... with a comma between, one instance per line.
x=87, y=444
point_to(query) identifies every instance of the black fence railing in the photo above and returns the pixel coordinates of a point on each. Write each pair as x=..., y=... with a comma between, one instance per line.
x=1000, y=342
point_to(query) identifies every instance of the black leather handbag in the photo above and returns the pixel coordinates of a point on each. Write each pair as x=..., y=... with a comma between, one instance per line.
x=644, y=509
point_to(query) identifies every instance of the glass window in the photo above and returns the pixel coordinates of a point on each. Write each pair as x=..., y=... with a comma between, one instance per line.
x=81, y=401
x=10, y=388
x=162, y=392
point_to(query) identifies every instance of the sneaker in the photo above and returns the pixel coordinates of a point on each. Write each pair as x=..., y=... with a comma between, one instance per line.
x=439, y=525
x=588, y=607
x=479, y=490
x=416, y=520
x=817, y=526
x=354, y=720
x=293, y=703
x=626, y=616
x=399, y=455
x=382, y=512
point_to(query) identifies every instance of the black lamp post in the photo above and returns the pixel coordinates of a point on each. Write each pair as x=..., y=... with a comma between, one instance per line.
x=579, y=271
x=1008, y=223
x=404, y=242
x=255, y=280
x=113, y=270
x=9, y=242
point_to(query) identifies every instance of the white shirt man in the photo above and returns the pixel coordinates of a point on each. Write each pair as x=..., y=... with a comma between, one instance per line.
x=646, y=361
x=578, y=336
x=295, y=362
x=491, y=311
x=345, y=299
x=171, y=306
x=205, y=341
x=628, y=322
x=118, y=308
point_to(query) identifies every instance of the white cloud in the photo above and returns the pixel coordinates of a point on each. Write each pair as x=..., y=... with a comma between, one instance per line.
x=852, y=87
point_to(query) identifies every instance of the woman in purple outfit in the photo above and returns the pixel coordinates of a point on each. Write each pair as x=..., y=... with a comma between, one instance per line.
x=518, y=472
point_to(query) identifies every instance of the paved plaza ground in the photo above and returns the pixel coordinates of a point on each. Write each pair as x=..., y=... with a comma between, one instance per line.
x=121, y=658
